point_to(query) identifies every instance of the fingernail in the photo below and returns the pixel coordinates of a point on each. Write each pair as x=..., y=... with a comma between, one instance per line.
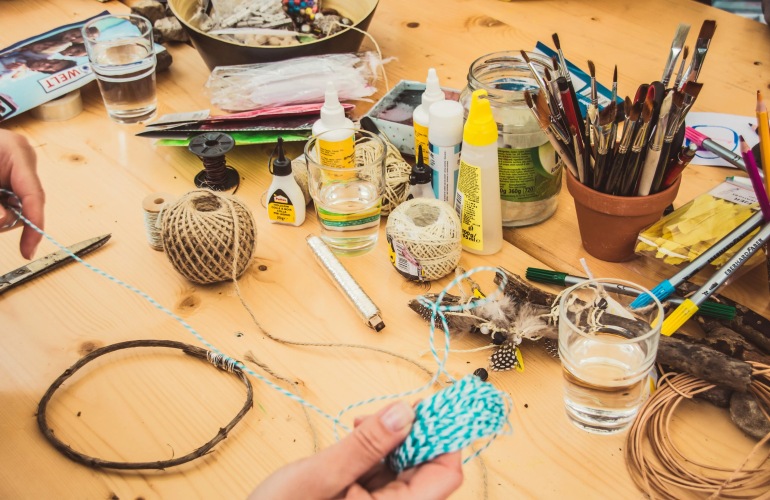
x=398, y=416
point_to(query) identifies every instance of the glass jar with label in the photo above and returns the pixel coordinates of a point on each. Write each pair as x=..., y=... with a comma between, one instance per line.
x=530, y=170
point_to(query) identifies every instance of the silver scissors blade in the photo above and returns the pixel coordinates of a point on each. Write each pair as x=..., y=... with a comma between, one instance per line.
x=49, y=262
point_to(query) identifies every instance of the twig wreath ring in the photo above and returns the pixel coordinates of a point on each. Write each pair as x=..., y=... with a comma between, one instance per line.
x=226, y=364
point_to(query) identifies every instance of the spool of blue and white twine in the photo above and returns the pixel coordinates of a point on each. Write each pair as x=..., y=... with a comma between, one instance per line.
x=449, y=420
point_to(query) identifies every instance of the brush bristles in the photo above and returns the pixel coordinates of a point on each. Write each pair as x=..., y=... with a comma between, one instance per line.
x=555, y=37
x=707, y=29
x=591, y=69
x=615, y=75
x=685, y=53
x=681, y=35
x=525, y=56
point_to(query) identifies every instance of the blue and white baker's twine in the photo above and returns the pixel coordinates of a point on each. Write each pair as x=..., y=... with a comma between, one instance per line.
x=449, y=420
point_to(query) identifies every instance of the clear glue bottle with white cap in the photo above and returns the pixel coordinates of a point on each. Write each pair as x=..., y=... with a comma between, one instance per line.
x=285, y=201
x=478, y=184
x=445, y=137
x=336, y=144
x=421, y=116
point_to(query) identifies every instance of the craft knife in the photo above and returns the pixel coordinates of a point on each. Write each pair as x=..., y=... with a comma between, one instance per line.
x=49, y=262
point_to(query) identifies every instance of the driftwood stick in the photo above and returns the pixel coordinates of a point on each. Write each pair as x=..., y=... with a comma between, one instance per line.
x=698, y=360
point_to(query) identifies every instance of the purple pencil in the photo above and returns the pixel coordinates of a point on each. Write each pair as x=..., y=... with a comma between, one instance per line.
x=756, y=180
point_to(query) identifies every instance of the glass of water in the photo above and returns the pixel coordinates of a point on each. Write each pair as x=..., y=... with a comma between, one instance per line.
x=607, y=351
x=348, y=199
x=120, y=49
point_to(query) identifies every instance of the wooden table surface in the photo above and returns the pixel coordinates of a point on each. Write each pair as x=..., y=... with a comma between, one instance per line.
x=151, y=405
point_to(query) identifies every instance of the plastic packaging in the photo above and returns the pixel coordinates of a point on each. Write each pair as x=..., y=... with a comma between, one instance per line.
x=421, y=116
x=530, y=171
x=685, y=233
x=444, y=142
x=337, y=148
x=285, y=201
x=478, y=184
x=419, y=179
x=293, y=81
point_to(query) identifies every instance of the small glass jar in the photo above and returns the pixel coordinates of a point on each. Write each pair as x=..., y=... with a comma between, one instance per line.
x=530, y=170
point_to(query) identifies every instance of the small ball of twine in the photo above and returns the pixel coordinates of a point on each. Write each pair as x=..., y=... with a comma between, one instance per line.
x=397, y=172
x=429, y=230
x=208, y=236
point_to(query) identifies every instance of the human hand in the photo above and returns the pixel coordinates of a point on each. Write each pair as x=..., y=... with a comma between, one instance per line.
x=18, y=173
x=353, y=468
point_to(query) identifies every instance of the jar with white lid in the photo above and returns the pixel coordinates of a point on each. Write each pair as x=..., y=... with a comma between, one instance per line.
x=529, y=168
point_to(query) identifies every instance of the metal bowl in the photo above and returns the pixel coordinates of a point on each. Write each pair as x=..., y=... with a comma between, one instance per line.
x=218, y=52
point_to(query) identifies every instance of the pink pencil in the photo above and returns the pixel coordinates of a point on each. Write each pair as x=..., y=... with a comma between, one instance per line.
x=756, y=180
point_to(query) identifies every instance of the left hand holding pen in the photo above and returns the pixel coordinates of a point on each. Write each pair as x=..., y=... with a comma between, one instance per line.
x=354, y=468
x=18, y=173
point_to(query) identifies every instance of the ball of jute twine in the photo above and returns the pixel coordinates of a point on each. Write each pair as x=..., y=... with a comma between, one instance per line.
x=397, y=172
x=205, y=233
x=430, y=230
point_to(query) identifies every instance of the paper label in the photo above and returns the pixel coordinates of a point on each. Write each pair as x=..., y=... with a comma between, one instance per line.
x=337, y=154
x=468, y=205
x=421, y=139
x=280, y=208
x=403, y=260
x=529, y=174
x=734, y=193
x=349, y=222
x=445, y=162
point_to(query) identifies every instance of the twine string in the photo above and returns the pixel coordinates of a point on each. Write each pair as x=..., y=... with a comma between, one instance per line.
x=448, y=420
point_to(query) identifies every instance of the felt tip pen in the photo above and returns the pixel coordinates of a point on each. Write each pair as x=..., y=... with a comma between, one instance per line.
x=666, y=287
x=712, y=146
x=709, y=308
x=690, y=306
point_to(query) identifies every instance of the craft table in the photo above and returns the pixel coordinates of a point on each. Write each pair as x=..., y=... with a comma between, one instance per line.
x=151, y=405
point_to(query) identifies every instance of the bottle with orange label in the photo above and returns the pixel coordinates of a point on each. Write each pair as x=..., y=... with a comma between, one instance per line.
x=337, y=148
x=285, y=201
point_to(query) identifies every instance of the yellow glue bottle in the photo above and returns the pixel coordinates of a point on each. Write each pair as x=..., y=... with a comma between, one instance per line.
x=285, y=201
x=336, y=147
x=477, y=201
x=421, y=116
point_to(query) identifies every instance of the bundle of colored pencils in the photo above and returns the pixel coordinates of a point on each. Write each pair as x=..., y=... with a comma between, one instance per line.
x=630, y=147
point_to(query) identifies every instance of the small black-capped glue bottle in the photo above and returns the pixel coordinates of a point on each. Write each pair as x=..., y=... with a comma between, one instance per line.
x=285, y=201
x=420, y=179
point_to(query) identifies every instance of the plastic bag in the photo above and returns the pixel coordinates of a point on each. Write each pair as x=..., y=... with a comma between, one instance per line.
x=688, y=231
x=293, y=81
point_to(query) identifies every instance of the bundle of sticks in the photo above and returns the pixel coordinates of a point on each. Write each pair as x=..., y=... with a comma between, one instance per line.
x=629, y=147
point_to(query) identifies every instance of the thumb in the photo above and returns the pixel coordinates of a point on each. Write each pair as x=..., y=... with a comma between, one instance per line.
x=342, y=464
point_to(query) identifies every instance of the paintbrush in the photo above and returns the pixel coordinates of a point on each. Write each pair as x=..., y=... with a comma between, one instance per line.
x=543, y=119
x=573, y=120
x=618, y=163
x=690, y=306
x=631, y=173
x=593, y=108
x=676, y=166
x=685, y=53
x=614, y=84
x=704, y=142
x=604, y=130
x=701, y=48
x=676, y=48
x=564, y=71
x=655, y=157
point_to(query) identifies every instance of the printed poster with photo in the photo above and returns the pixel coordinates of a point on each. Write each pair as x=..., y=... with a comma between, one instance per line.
x=44, y=67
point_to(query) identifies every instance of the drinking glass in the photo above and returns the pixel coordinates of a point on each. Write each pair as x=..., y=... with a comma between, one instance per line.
x=120, y=49
x=607, y=351
x=348, y=200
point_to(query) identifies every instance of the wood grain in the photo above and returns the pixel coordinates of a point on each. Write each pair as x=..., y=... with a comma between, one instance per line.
x=129, y=407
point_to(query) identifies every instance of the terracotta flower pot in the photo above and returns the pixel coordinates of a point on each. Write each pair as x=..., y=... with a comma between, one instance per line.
x=609, y=225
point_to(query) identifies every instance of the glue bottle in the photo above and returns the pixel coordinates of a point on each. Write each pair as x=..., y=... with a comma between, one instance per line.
x=421, y=116
x=478, y=184
x=419, y=179
x=336, y=148
x=445, y=137
x=285, y=201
